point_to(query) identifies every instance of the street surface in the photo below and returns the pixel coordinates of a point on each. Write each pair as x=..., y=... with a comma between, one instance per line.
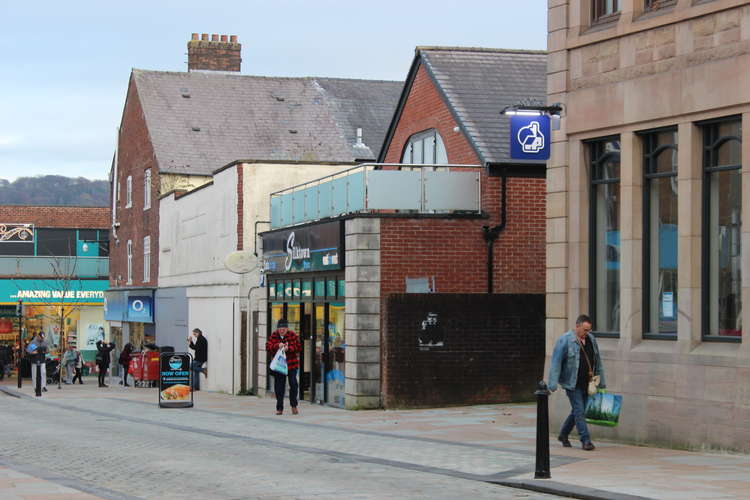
x=83, y=442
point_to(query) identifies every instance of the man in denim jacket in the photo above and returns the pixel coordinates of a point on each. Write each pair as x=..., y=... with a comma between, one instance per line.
x=571, y=372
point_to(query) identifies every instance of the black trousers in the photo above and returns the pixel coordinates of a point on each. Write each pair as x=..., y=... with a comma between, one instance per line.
x=102, y=373
x=279, y=386
x=79, y=372
x=125, y=374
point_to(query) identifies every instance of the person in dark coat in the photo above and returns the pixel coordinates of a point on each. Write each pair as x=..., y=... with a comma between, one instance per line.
x=102, y=359
x=125, y=362
x=199, y=344
x=4, y=360
x=285, y=339
x=38, y=356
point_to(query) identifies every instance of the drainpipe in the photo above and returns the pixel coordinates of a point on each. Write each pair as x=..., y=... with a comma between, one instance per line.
x=492, y=233
x=114, y=188
x=255, y=238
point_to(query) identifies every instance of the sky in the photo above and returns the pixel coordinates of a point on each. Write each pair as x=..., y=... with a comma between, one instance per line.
x=66, y=65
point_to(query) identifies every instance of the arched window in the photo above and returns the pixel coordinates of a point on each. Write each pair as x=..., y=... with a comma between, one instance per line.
x=425, y=148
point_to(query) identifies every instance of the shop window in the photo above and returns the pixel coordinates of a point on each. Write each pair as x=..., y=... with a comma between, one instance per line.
x=604, y=239
x=103, y=239
x=722, y=226
x=660, y=234
x=336, y=376
x=604, y=10
x=130, y=262
x=147, y=189
x=129, y=192
x=147, y=259
x=16, y=248
x=56, y=242
x=425, y=148
x=272, y=290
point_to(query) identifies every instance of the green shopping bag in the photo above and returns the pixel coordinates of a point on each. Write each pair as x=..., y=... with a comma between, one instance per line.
x=603, y=408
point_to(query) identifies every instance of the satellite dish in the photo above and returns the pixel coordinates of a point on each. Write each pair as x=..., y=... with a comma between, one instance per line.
x=240, y=262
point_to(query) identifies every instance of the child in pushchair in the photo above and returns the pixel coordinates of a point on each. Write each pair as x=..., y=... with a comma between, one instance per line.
x=53, y=371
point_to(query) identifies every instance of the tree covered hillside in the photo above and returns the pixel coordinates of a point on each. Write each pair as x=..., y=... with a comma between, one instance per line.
x=55, y=190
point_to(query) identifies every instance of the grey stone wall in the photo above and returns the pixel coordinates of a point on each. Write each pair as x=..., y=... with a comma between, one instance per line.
x=362, y=313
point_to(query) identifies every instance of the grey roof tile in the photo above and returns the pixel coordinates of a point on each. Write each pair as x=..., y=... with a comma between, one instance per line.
x=228, y=117
x=478, y=83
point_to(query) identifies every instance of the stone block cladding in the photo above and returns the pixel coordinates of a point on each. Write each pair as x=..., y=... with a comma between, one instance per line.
x=135, y=156
x=57, y=217
x=362, y=323
x=492, y=352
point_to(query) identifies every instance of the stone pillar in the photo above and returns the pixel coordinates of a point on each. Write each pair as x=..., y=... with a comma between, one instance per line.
x=362, y=327
x=558, y=251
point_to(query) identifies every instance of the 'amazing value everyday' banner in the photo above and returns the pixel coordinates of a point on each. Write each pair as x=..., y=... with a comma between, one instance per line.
x=52, y=291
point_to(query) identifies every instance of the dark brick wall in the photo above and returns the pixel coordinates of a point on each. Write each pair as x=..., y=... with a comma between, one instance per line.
x=135, y=156
x=61, y=217
x=217, y=54
x=493, y=349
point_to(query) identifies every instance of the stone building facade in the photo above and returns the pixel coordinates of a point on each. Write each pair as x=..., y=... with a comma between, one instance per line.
x=645, y=206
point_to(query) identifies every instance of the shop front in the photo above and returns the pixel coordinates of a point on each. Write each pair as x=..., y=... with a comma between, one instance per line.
x=69, y=312
x=130, y=315
x=305, y=281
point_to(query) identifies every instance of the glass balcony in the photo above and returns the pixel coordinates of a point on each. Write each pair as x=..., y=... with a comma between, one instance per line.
x=385, y=188
x=74, y=267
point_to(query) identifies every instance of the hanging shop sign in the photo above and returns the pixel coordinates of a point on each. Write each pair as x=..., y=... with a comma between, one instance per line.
x=175, y=380
x=17, y=232
x=135, y=306
x=310, y=248
x=53, y=291
x=529, y=137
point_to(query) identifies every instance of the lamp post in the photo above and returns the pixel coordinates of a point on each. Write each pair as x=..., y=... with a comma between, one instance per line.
x=19, y=313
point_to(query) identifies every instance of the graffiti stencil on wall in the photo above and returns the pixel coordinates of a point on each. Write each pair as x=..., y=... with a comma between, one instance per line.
x=431, y=334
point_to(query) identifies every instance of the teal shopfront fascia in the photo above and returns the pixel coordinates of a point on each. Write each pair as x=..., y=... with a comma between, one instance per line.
x=304, y=269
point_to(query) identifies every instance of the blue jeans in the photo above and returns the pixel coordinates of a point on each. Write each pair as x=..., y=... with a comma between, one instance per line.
x=578, y=399
x=196, y=366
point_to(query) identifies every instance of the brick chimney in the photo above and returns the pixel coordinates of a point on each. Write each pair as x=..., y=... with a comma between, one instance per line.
x=217, y=54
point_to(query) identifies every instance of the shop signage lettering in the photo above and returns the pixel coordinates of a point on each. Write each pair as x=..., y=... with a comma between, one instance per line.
x=310, y=248
x=60, y=294
x=294, y=252
x=53, y=291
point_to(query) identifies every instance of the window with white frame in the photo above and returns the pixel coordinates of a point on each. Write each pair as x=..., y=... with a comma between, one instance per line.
x=147, y=189
x=147, y=259
x=129, y=192
x=130, y=262
x=425, y=148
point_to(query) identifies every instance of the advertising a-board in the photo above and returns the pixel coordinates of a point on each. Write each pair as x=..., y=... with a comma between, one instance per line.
x=175, y=380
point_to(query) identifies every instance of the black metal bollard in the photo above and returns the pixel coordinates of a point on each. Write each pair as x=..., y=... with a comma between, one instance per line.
x=38, y=388
x=542, y=432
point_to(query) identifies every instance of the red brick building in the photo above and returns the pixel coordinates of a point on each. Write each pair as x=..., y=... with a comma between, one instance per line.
x=475, y=225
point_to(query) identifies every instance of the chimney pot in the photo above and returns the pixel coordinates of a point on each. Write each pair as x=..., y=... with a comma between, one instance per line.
x=214, y=56
x=204, y=37
x=233, y=38
x=195, y=36
x=223, y=38
x=214, y=37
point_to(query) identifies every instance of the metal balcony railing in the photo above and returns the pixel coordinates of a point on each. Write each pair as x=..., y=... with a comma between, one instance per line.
x=377, y=187
x=74, y=267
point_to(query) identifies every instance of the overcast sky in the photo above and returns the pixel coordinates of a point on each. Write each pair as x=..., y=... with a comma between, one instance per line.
x=66, y=64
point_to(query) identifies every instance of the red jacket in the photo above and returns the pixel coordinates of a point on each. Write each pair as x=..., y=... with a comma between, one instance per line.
x=293, y=347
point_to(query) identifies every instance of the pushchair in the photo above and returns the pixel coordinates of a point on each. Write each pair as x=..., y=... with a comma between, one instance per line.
x=53, y=371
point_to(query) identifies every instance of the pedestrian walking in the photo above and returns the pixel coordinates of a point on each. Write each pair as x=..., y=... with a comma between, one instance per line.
x=79, y=367
x=124, y=361
x=575, y=362
x=38, y=359
x=197, y=341
x=102, y=359
x=69, y=360
x=285, y=339
x=4, y=360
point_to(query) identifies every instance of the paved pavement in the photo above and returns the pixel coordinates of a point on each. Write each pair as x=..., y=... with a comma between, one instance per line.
x=116, y=443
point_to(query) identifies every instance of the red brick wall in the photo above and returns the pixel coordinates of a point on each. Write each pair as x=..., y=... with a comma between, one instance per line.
x=62, y=217
x=451, y=249
x=135, y=155
x=217, y=54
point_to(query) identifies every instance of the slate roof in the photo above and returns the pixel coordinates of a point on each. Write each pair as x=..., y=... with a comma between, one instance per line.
x=201, y=121
x=478, y=82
